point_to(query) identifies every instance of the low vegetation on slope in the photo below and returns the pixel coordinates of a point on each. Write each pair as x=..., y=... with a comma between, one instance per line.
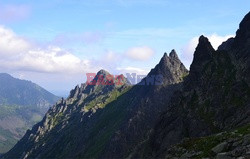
x=235, y=143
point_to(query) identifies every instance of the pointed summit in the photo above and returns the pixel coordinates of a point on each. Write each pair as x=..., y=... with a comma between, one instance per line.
x=173, y=55
x=204, y=44
x=245, y=23
x=101, y=82
x=164, y=58
x=165, y=54
x=167, y=59
x=170, y=67
x=202, y=55
x=203, y=52
x=103, y=72
x=243, y=33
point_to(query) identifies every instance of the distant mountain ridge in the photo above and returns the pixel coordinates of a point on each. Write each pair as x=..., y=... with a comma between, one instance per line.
x=22, y=104
x=21, y=92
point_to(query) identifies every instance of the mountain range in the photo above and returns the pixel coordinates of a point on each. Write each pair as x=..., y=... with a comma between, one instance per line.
x=201, y=113
x=22, y=104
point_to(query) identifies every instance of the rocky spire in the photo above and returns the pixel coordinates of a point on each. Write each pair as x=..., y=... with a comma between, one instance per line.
x=243, y=33
x=103, y=72
x=173, y=55
x=203, y=51
x=74, y=92
x=120, y=79
x=202, y=54
x=166, y=60
x=170, y=67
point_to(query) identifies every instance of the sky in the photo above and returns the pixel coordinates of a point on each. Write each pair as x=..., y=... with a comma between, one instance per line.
x=54, y=43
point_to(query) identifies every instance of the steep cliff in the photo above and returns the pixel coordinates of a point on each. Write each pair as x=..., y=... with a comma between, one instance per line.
x=215, y=95
x=99, y=121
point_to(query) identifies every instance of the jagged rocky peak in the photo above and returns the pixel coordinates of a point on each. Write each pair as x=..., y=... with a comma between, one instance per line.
x=173, y=55
x=167, y=59
x=74, y=92
x=100, y=74
x=117, y=79
x=244, y=25
x=106, y=75
x=103, y=72
x=202, y=55
x=243, y=33
x=171, y=68
x=204, y=46
x=203, y=52
x=101, y=80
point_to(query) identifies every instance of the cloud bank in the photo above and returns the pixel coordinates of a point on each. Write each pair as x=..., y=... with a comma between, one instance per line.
x=19, y=54
x=52, y=66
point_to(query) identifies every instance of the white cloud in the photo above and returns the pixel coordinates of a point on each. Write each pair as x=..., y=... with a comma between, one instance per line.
x=110, y=57
x=217, y=40
x=19, y=54
x=188, y=50
x=140, y=53
x=10, y=43
x=52, y=66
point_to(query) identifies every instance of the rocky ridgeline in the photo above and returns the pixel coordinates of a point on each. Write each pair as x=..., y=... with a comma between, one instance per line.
x=126, y=119
x=189, y=115
x=81, y=104
x=144, y=106
x=215, y=95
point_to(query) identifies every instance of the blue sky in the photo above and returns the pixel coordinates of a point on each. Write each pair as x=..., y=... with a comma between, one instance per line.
x=55, y=42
